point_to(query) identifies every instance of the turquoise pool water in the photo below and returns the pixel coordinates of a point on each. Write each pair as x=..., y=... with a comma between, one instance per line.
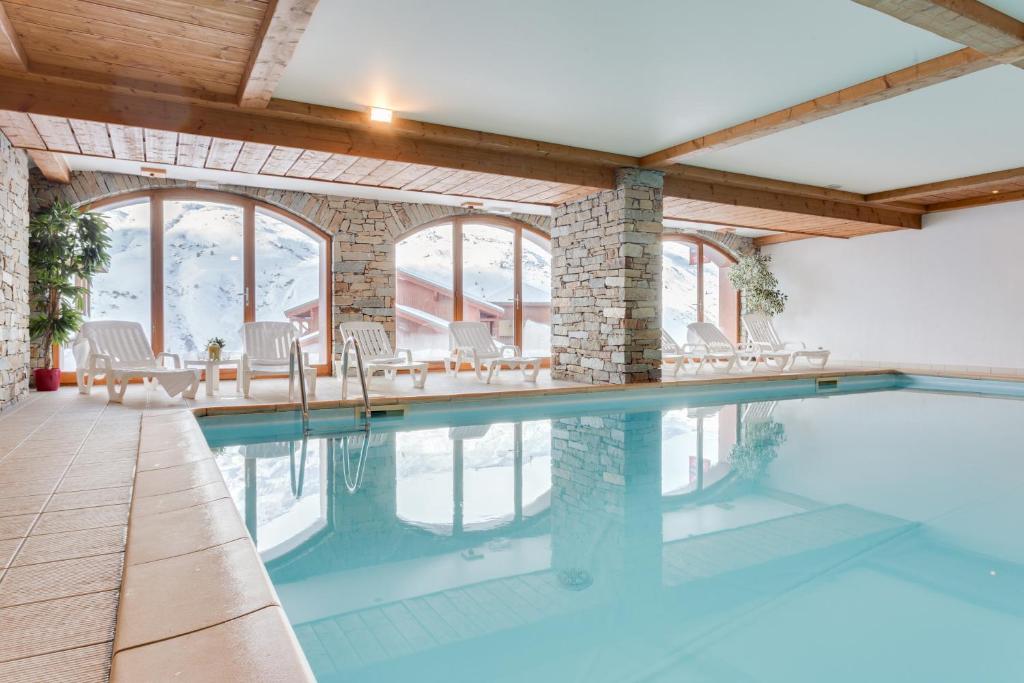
x=760, y=534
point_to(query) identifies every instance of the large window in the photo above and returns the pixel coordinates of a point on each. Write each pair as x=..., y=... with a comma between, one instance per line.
x=473, y=268
x=190, y=265
x=696, y=287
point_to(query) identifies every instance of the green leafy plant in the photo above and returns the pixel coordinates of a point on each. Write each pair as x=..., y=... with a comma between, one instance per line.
x=216, y=341
x=757, y=449
x=66, y=248
x=759, y=286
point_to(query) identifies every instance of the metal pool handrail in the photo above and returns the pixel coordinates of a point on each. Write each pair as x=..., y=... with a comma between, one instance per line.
x=353, y=343
x=296, y=357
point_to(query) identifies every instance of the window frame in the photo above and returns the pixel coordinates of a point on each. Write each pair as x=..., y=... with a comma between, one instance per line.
x=457, y=222
x=249, y=205
x=700, y=243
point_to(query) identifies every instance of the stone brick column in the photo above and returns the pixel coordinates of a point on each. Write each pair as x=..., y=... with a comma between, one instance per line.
x=14, y=286
x=606, y=283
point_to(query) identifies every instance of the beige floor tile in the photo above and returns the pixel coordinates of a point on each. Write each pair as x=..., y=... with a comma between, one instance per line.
x=85, y=518
x=86, y=499
x=70, y=544
x=21, y=505
x=255, y=647
x=155, y=460
x=28, y=488
x=157, y=537
x=62, y=624
x=15, y=527
x=168, y=502
x=180, y=478
x=88, y=664
x=94, y=481
x=7, y=550
x=196, y=591
x=60, y=579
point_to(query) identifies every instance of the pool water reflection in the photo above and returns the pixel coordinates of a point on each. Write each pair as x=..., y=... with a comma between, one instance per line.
x=859, y=537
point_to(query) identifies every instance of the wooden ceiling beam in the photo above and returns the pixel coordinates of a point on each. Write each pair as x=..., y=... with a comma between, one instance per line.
x=937, y=70
x=983, y=200
x=765, y=240
x=279, y=35
x=52, y=164
x=526, y=159
x=12, y=56
x=772, y=185
x=982, y=182
x=968, y=22
x=336, y=131
x=688, y=188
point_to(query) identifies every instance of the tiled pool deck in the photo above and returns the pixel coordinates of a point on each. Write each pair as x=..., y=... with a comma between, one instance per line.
x=189, y=597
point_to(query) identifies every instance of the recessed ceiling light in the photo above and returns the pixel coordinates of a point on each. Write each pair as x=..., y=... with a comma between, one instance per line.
x=995, y=191
x=380, y=114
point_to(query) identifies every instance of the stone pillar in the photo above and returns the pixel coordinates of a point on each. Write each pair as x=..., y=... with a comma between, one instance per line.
x=606, y=283
x=14, y=299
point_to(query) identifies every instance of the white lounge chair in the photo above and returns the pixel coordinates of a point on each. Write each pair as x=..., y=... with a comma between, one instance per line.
x=267, y=350
x=762, y=335
x=710, y=348
x=119, y=351
x=378, y=356
x=671, y=352
x=473, y=340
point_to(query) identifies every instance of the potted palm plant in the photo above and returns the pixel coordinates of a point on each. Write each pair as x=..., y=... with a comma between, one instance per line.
x=66, y=248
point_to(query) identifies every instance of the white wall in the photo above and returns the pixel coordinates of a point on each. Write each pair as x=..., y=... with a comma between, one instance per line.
x=949, y=294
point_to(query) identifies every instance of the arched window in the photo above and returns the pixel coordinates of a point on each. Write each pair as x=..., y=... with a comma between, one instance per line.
x=191, y=265
x=484, y=268
x=696, y=288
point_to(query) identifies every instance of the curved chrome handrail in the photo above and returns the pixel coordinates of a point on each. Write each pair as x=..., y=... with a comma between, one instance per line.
x=353, y=343
x=296, y=357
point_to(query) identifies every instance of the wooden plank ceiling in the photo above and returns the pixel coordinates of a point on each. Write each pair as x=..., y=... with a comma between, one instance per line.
x=190, y=82
x=200, y=49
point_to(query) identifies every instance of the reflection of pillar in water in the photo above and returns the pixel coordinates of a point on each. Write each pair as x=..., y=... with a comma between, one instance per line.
x=605, y=497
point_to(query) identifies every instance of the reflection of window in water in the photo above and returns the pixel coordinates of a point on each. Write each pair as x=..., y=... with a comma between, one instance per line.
x=279, y=496
x=693, y=442
x=473, y=477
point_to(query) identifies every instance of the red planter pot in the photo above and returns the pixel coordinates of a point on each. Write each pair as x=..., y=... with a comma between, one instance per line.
x=47, y=379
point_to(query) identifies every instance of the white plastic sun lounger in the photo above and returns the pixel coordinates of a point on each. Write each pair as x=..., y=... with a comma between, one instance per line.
x=378, y=355
x=671, y=352
x=473, y=340
x=267, y=350
x=119, y=351
x=763, y=336
x=710, y=348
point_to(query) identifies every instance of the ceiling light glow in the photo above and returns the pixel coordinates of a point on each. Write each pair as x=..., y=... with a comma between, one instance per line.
x=380, y=114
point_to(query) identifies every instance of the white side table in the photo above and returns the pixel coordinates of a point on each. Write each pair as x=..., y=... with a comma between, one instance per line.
x=212, y=369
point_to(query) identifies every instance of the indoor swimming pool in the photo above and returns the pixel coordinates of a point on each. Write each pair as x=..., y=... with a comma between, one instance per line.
x=774, y=533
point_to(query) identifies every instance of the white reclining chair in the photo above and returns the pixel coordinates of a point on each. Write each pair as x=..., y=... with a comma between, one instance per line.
x=473, y=340
x=378, y=356
x=267, y=350
x=713, y=348
x=119, y=351
x=678, y=354
x=762, y=335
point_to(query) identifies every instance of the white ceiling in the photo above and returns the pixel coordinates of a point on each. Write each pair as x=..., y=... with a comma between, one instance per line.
x=962, y=127
x=626, y=77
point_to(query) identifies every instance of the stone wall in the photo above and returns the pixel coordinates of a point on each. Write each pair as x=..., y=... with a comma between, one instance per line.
x=14, y=296
x=606, y=283
x=364, y=232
